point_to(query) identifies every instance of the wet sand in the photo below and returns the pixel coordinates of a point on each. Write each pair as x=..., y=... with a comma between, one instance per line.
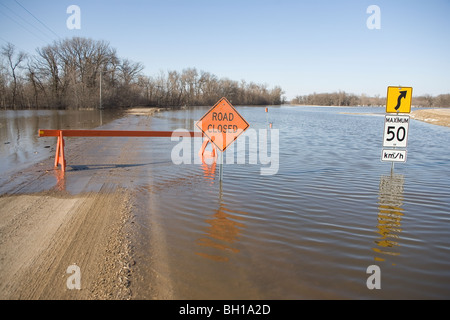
x=434, y=116
x=43, y=234
x=50, y=221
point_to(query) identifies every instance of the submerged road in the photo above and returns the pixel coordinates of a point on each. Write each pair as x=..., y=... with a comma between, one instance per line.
x=136, y=226
x=51, y=223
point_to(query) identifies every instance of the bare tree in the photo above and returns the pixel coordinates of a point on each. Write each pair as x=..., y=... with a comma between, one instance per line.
x=129, y=71
x=14, y=60
x=48, y=66
x=3, y=84
x=68, y=74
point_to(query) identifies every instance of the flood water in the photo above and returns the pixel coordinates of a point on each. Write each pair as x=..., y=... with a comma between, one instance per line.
x=310, y=230
x=20, y=145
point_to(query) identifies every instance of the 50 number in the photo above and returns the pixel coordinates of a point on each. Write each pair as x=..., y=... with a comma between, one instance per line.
x=400, y=134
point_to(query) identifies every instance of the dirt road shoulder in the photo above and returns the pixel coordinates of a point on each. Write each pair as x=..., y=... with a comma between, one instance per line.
x=434, y=116
x=44, y=234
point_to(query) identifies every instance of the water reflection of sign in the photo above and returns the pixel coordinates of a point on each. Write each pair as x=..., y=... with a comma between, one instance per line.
x=390, y=215
x=395, y=131
x=398, y=100
x=222, y=124
x=224, y=229
x=209, y=170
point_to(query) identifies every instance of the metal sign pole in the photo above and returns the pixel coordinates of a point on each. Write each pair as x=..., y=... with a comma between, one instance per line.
x=392, y=167
x=221, y=166
x=392, y=163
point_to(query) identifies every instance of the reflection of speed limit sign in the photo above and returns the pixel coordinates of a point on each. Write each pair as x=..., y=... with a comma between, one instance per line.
x=395, y=131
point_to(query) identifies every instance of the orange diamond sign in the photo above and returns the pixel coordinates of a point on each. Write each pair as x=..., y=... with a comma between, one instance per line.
x=222, y=124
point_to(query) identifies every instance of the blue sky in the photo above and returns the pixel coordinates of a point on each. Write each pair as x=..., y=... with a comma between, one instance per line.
x=302, y=46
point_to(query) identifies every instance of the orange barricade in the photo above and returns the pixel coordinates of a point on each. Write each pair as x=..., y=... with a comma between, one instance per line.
x=207, y=154
x=60, y=157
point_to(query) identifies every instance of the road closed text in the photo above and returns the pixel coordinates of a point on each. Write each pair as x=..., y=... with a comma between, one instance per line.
x=222, y=126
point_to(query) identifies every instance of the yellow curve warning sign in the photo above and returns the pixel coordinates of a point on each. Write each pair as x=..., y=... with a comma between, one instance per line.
x=398, y=100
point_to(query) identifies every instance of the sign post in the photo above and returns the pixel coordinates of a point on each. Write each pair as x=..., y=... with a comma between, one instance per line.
x=222, y=125
x=396, y=126
x=221, y=166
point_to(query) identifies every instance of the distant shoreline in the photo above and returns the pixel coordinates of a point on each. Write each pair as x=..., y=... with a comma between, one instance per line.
x=439, y=117
x=143, y=111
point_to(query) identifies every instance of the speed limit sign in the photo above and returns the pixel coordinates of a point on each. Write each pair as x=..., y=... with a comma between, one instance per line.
x=395, y=131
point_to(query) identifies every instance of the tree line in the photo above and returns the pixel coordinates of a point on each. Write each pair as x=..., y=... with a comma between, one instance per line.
x=84, y=73
x=342, y=98
x=440, y=101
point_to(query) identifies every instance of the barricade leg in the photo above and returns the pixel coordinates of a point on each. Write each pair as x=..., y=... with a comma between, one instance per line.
x=208, y=154
x=59, y=157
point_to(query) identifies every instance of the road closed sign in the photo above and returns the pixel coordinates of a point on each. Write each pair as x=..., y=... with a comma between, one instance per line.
x=222, y=124
x=396, y=131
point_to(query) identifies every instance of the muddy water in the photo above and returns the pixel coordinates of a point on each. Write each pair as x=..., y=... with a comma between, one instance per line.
x=312, y=229
x=309, y=231
x=20, y=145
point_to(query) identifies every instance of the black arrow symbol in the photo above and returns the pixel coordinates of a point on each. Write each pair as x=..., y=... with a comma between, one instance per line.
x=399, y=101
